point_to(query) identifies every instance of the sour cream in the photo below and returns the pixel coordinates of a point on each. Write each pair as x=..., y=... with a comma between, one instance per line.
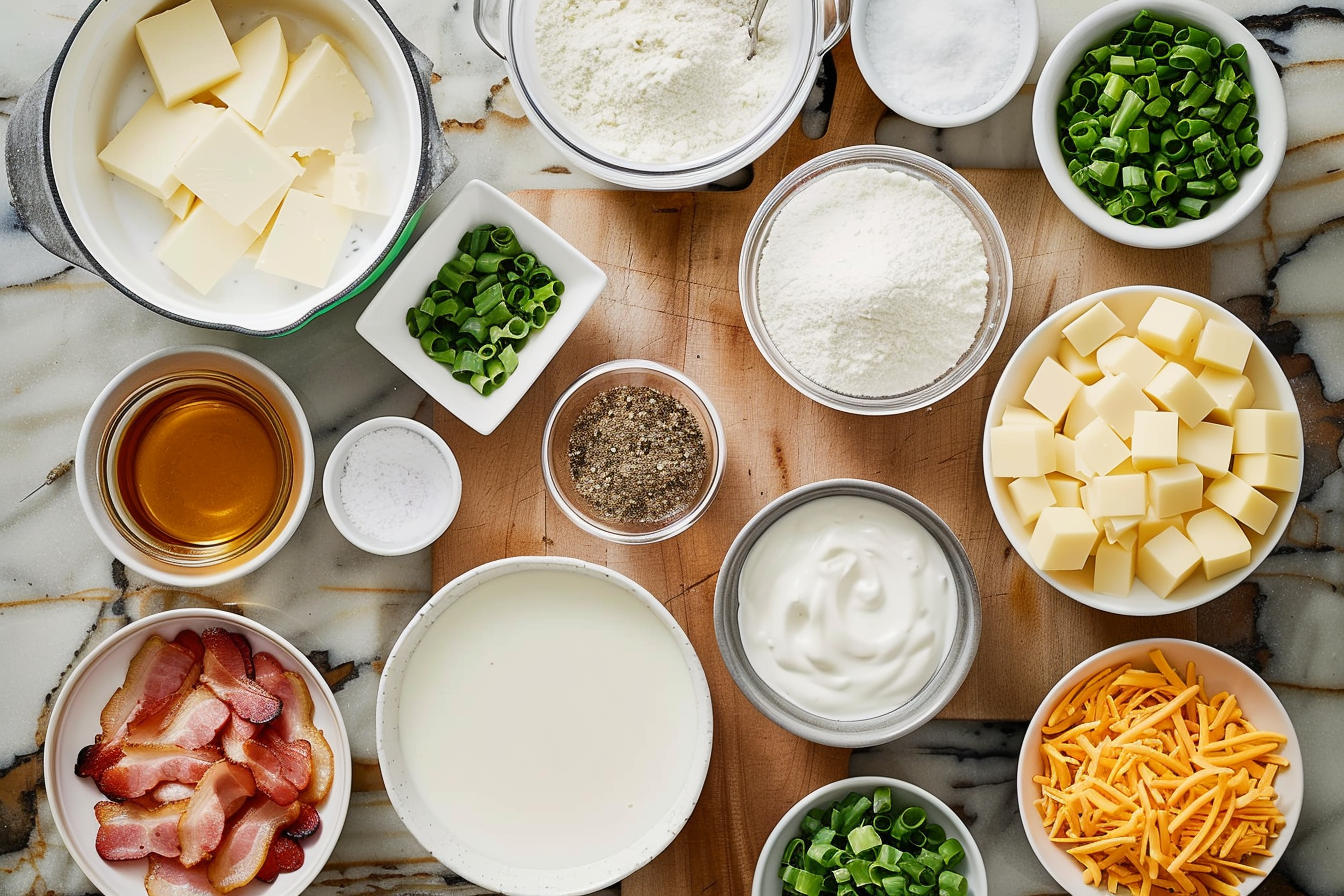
x=846, y=607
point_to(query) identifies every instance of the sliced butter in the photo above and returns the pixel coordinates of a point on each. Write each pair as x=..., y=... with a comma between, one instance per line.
x=265, y=62
x=148, y=148
x=306, y=239
x=186, y=50
x=201, y=248
x=319, y=104
x=233, y=170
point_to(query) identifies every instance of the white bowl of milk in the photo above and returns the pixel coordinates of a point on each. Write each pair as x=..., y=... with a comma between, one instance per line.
x=543, y=726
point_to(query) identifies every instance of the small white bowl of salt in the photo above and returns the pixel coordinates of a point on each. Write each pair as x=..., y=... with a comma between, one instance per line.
x=392, y=486
x=945, y=63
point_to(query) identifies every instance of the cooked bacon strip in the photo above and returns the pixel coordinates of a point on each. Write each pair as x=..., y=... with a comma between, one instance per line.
x=225, y=673
x=296, y=757
x=171, y=792
x=190, y=724
x=168, y=877
x=247, y=842
x=142, y=768
x=235, y=733
x=220, y=793
x=245, y=649
x=129, y=831
x=296, y=723
x=307, y=824
x=157, y=672
x=269, y=773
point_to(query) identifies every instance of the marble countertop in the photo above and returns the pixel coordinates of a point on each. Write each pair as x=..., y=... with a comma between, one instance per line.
x=64, y=334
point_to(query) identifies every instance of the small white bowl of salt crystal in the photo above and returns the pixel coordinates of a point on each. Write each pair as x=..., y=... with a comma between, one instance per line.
x=945, y=63
x=392, y=486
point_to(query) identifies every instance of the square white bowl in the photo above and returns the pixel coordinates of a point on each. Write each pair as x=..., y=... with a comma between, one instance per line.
x=383, y=323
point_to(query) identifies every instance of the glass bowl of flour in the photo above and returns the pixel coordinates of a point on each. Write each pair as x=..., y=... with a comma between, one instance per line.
x=875, y=280
x=660, y=94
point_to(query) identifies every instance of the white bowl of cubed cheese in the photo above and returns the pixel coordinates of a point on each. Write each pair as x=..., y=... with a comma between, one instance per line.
x=1143, y=450
x=193, y=154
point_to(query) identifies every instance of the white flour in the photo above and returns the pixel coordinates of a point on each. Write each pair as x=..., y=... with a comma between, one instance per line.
x=872, y=282
x=944, y=56
x=661, y=80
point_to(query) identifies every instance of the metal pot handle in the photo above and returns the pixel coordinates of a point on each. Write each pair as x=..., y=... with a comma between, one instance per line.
x=843, y=9
x=478, y=16
x=436, y=161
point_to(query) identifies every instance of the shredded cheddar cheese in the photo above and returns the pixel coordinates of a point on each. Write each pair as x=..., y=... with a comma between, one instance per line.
x=1154, y=786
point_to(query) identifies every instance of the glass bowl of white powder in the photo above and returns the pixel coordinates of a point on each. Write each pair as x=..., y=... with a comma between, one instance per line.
x=875, y=280
x=392, y=486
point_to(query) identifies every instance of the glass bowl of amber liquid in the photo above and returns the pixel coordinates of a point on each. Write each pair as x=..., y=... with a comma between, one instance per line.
x=647, y=496
x=195, y=465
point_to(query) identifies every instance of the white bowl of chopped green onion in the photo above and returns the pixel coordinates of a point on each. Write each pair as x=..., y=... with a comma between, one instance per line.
x=1160, y=124
x=879, y=835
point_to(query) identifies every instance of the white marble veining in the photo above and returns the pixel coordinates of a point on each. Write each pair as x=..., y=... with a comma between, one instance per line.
x=64, y=334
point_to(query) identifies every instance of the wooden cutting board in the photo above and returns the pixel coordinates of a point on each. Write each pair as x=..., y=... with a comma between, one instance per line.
x=672, y=297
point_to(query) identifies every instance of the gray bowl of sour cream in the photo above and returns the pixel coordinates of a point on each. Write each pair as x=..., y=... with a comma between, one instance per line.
x=847, y=612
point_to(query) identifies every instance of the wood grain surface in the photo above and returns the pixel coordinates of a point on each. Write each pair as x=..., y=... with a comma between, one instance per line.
x=672, y=261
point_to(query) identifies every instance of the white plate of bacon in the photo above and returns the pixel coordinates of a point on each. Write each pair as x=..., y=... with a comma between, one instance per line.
x=195, y=752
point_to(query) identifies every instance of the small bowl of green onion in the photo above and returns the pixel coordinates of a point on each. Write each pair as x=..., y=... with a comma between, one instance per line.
x=1160, y=123
x=879, y=835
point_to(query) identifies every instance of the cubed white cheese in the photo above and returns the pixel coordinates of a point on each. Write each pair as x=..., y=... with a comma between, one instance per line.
x=233, y=170
x=265, y=62
x=148, y=148
x=319, y=104
x=202, y=248
x=186, y=50
x=307, y=237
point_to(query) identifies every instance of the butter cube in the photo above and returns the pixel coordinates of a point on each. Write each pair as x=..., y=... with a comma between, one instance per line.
x=1244, y=503
x=1125, y=354
x=309, y=233
x=1230, y=392
x=1119, y=529
x=1030, y=496
x=1174, y=389
x=1166, y=561
x=1154, y=441
x=1207, y=445
x=1264, y=431
x=264, y=60
x=1066, y=490
x=319, y=104
x=148, y=148
x=1063, y=538
x=1066, y=457
x=1152, y=524
x=233, y=170
x=180, y=202
x=1116, y=399
x=1080, y=414
x=1015, y=416
x=1116, y=496
x=202, y=248
x=1098, y=449
x=1083, y=367
x=1093, y=327
x=1224, y=347
x=1270, y=472
x=186, y=50
x=1175, y=490
x=1018, y=451
x=1220, y=541
x=1051, y=390
x=1114, y=571
x=1169, y=326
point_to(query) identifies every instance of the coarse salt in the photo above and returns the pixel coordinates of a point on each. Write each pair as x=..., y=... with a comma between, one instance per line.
x=946, y=57
x=395, y=486
x=872, y=282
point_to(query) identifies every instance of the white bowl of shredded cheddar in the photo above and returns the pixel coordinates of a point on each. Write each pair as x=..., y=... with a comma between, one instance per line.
x=1190, y=728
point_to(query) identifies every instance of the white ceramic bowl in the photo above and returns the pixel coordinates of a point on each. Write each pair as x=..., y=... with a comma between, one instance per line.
x=765, y=882
x=101, y=79
x=74, y=722
x=1129, y=303
x=91, y=475
x=497, y=872
x=331, y=488
x=999, y=266
x=1270, y=109
x=866, y=56
x=383, y=323
x=1221, y=673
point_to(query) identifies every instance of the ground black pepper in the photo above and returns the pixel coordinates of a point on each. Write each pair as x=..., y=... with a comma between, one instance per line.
x=637, y=455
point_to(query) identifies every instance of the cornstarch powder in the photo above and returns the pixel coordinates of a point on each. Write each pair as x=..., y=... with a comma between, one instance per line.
x=394, y=485
x=872, y=282
x=661, y=80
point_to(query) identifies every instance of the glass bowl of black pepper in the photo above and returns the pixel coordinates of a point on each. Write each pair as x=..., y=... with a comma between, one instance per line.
x=633, y=452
